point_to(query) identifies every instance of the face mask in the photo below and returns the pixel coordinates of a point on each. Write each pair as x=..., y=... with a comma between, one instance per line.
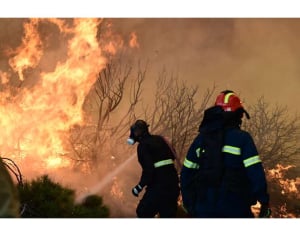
x=130, y=141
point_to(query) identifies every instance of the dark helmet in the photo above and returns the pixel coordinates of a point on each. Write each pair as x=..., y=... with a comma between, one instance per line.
x=138, y=130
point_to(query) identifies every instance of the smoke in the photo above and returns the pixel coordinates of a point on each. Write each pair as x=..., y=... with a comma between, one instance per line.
x=254, y=57
x=115, y=188
x=107, y=179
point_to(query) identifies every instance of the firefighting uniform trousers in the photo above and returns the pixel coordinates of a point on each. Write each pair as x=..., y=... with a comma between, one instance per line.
x=157, y=201
x=215, y=204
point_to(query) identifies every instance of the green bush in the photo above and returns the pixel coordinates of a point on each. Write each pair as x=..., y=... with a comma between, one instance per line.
x=91, y=208
x=42, y=198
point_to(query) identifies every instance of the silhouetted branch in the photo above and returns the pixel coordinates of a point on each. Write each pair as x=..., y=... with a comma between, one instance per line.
x=12, y=166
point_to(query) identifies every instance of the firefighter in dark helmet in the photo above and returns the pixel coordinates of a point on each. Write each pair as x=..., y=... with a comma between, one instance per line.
x=222, y=174
x=159, y=176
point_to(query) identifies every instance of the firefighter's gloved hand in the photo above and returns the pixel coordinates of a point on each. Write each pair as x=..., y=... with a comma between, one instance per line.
x=136, y=190
x=265, y=211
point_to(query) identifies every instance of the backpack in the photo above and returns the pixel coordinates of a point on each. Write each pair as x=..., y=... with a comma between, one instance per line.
x=211, y=164
x=210, y=172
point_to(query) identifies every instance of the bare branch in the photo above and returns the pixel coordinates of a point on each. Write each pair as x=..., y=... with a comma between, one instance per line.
x=275, y=133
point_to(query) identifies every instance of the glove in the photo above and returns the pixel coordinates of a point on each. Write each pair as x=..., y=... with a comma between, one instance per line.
x=136, y=190
x=265, y=211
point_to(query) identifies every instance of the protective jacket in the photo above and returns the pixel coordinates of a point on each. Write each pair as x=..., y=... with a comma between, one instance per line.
x=159, y=176
x=243, y=179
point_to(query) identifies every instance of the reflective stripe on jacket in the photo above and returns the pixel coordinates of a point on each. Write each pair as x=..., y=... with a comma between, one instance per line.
x=163, y=163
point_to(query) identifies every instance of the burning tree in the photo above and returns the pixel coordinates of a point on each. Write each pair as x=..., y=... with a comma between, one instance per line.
x=45, y=82
x=98, y=139
x=39, y=102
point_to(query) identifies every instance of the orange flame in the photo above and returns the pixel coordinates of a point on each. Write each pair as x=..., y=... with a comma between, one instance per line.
x=30, y=52
x=133, y=43
x=287, y=185
x=34, y=122
x=111, y=41
x=3, y=77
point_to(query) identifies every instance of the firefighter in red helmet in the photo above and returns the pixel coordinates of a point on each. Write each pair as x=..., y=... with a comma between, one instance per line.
x=222, y=174
x=159, y=176
x=230, y=102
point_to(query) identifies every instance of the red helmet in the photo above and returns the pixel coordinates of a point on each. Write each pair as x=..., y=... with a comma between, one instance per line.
x=229, y=101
